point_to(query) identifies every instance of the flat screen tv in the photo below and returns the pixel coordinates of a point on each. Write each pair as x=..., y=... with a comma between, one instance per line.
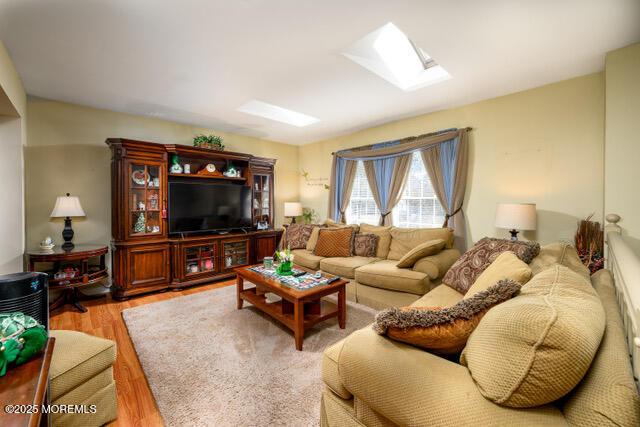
x=202, y=206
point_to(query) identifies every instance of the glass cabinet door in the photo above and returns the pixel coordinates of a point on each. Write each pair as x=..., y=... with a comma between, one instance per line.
x=262, y=198
x=235, y=254
x=145, y=199
x=200, y=259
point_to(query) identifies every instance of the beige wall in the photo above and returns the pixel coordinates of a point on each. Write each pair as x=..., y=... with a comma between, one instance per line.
x=543, y=145
x=12, y=139
x=622, y=140
x=67, y=153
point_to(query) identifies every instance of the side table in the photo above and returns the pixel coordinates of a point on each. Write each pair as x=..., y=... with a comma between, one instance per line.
x=27, y=385
x=85, y=265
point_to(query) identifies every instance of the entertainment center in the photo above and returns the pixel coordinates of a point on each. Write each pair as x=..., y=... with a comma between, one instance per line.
x=173, y=229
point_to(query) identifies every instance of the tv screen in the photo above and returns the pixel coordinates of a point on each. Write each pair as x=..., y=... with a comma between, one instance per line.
x=198, y=206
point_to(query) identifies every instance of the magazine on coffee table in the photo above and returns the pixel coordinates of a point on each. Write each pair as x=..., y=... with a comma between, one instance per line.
x=301, y=283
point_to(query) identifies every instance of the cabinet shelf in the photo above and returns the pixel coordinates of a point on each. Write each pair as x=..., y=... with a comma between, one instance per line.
x=192, y=175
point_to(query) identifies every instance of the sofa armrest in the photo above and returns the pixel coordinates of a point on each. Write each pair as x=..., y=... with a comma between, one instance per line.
x=435, y=266
x=412, y=387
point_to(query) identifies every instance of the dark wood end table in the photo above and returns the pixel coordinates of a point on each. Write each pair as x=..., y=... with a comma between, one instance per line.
x=298, y=310
x=80, y=257
x=26, y=384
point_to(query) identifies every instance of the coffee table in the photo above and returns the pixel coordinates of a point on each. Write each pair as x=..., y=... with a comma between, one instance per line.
x=298, y=310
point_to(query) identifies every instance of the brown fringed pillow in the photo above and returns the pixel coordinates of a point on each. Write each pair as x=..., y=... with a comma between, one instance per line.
x=442, y=330
x=298, y=235
x=464, y=272
x=365, y=245
x=335, y=242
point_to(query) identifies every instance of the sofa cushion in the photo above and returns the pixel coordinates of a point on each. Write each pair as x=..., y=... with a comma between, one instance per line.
x=345, y=266
x=442, y=330
x=379, y=299
x=384, y=274
x=405, y=239
x=365, y=244
x=506, y=266
x=297, y=235
x=330, y=374
x=559, y=253
x=384, y=240
x=436, y=266
x=440, y=296
x=535, y=348
x=607, y=395
x=306, y=258
x=335, y=242
x=313, y=238
x=428, y=248
x=77, y=357
x=472, y=263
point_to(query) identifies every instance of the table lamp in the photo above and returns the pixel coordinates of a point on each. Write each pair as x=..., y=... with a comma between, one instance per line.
x=515, y=217
x=292, y=210
x=67, y=207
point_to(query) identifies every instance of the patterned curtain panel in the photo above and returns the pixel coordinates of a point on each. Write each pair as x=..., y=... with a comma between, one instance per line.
x=447, y=163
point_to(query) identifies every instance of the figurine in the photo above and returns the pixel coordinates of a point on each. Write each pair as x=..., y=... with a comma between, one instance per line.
x=231, y=171
x=47, y=244
x=139, y=226
x=175, y=165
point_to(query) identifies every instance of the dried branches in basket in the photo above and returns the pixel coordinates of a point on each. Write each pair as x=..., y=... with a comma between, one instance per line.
x=589, y=243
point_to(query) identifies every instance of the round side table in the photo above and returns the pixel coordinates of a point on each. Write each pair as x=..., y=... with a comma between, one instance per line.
x=82, y=266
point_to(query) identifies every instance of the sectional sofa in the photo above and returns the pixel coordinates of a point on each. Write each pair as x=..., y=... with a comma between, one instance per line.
x=372, y=380
x=376, y=281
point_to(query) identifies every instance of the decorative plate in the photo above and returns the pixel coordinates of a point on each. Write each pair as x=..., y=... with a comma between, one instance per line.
x=139, y=177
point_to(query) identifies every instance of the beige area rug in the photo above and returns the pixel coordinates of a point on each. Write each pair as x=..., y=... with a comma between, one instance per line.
x=209, y=364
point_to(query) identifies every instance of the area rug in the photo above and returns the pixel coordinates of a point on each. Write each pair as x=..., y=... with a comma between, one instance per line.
x=209, y=364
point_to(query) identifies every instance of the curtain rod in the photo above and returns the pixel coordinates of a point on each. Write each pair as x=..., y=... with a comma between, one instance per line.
x=468, y=129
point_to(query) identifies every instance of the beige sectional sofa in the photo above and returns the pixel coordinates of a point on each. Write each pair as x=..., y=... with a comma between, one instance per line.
x=372, y=380
x=376, y=281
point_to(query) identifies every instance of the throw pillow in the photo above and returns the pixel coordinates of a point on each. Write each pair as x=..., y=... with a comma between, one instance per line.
x=431, y=247
x=298, y=235
x=472, y=263
x=365, y=245
x=335, y=242
x=535, y=348
x=559, y=253
x=442, y=330
x=313, y=239
x=506, y=266
x=405, y=239
x=384, y=238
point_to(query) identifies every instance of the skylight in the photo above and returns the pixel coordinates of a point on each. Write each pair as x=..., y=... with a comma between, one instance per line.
x=390, y=54
x=279, y=114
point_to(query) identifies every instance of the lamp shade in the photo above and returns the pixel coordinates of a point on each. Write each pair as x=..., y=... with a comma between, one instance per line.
x=67, y=206
x=516, y=216
x=292, y=209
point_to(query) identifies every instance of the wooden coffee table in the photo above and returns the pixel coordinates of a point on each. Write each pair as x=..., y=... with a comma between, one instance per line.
x=298, y=310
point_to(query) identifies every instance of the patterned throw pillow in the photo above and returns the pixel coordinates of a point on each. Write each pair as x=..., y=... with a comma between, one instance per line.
x=442, y=330
x=335, y=242
x=365, y=245
x=298, y=235
x=472, y=263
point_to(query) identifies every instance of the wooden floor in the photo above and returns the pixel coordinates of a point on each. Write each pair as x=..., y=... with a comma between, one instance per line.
x=136, y=405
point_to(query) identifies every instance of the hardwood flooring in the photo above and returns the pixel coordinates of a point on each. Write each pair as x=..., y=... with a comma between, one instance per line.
x=136, y=405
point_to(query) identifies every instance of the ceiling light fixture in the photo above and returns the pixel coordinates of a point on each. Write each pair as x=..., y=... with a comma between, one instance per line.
x=389, y=53
x=279, y=114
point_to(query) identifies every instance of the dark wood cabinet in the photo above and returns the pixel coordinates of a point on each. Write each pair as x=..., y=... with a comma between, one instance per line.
x=145, y=256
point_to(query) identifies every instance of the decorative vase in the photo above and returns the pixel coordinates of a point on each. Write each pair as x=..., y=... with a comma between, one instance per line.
x=284, y=269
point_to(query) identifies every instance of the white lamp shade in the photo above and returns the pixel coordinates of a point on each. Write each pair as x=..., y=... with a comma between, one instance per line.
x=292, y=209
x=67, y=206
x=516, y=216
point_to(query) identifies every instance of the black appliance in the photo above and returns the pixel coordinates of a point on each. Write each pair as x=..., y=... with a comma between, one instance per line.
x=208, y=207
x=27, y=293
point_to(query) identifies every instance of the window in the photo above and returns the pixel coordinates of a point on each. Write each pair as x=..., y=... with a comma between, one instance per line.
x=418, y=207
x=362, y=207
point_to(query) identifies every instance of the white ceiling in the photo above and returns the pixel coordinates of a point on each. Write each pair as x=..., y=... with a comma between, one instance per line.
x=196, y=61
